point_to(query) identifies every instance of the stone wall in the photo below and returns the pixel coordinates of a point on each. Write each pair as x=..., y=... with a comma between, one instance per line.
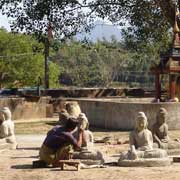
x=25, y=108
x=87, y=92
x=114, y=114
x=121, y=115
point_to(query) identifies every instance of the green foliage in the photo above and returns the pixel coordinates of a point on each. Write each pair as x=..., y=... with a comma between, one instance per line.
x=147, y=20
x=147, y=27
x=21, y=61
x=43, y=18
x=78, y=63
x=53, y=75
x=89, y=65
x=146, y=53
x=34, y=17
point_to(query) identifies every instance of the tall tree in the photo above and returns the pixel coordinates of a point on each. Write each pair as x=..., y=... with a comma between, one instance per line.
x=147, y=19
x=21, y=61
x=41, y=17
x=89, y=65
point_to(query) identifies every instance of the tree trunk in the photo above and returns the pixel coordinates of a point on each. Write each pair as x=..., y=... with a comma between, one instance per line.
x=46, y=56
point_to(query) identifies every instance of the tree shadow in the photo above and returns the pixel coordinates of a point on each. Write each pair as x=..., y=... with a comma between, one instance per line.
x=53, y=123
x=96, y=129
x=25, y=157
x=28, y=166
x=29, y=148
x=22, y=166
x=115, y=155
x=111, y=164
x=58, y=169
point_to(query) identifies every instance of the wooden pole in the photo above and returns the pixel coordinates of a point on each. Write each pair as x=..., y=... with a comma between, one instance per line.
x=172, y=86
x=157, y=86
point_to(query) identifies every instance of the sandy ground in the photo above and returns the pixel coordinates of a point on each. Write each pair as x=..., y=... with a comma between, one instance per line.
x=17, y=165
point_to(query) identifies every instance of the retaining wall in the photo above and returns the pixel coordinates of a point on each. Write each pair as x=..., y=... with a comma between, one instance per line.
x=23, y=108
x=121, y=115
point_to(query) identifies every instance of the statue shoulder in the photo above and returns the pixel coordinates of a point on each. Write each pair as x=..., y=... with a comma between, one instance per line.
x=148, y=130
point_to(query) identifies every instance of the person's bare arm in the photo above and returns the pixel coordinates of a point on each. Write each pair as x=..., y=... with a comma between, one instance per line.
x=81, y=137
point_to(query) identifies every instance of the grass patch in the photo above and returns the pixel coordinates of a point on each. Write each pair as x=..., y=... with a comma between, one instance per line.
x=39, y=127
x=42, y=127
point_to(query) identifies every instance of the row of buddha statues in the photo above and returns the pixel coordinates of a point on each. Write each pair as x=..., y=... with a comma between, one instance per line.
x=144, y=143
x=154, y=143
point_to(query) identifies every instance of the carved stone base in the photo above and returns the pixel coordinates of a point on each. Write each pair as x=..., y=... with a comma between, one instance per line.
x=8, y=146
x=151, y=162
x=172, y=152
x=93, y=156
x=90, y=162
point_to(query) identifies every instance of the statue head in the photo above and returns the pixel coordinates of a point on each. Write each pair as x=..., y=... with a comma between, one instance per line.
x=73, y=108
x=83, y=121
x=6, y=112
x=141, y=121
x=161, y=116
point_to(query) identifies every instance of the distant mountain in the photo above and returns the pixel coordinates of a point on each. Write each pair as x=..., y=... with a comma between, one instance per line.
x=100, y=30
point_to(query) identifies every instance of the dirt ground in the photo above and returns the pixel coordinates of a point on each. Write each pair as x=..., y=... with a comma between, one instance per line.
x=17, y=164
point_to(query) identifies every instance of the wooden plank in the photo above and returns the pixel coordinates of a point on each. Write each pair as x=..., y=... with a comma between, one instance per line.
x=75, y=163
x=174, y=69
x=176, y=159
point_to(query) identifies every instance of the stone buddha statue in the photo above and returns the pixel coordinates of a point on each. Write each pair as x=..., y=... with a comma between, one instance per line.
x=141, y=142
x=140, y=138
x=7, y=127
x=160, y=132
x=87, y=148
x=71, y=109
x=84, y=124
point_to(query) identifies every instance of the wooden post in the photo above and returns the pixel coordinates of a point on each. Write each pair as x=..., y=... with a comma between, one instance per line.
x=47, y=47
x=172, y=86
x=157, y=86
x=46, y=54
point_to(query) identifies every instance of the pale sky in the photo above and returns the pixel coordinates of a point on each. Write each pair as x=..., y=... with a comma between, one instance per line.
x=4, y=22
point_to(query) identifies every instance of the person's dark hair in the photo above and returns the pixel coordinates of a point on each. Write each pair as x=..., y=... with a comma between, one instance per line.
x=71, y=123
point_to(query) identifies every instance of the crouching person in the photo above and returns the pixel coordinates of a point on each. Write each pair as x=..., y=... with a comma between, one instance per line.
x=59, y=143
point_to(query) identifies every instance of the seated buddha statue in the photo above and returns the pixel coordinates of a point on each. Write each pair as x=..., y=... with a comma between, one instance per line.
x=87, y=149
x=7, y=128
x=160, y=132
x=141, y=142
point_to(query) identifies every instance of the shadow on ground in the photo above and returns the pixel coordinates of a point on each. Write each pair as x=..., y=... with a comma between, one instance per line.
x=22, y=166
x=22, y=157
x=53, y=123
x=29, y=148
